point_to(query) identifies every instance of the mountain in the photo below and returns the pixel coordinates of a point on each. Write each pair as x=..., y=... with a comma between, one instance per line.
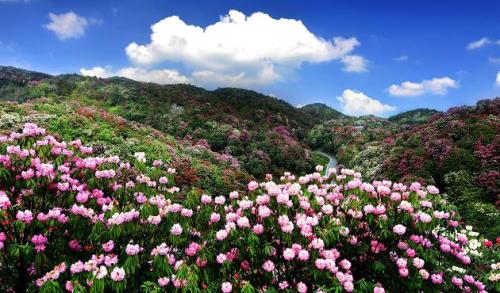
x=263, y=133
x=322, y=112
x=416, y=116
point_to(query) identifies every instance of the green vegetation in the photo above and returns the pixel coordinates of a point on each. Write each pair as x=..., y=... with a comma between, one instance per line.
x=221, y=137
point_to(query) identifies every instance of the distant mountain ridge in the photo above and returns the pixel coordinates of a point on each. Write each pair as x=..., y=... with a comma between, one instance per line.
x=322, y=111
x=416, y=116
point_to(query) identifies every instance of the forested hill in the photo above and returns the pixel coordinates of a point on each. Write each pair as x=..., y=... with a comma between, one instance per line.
x=263, y=133
x=322, y=112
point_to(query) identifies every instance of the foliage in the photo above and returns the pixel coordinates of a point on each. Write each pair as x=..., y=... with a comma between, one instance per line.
x=425, y=145
x=75, y=221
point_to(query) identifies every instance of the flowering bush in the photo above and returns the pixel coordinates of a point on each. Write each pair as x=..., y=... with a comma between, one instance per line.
x=74, y=222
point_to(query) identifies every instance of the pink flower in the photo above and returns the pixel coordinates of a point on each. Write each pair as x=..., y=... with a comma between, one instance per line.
x=253, y=185
x=410, y=253
x=176, y=230
x=74, y=245
x=289, y=254
x=226, y=287
x=233, y=195
x=108, y=246
x=301, y=287
x=320, y=264
x=403, y=272
x=264, y=212
x=349, y=286
x=436, y=278
x=220, y=200
x=24, y=216
x=424, y=274
x=163, y=281
x=457, y=281
x=268, y=266
x=206, y=199
x=378, y=289
x=221, y=235
x=118, y=274
x=133, y=249
x=303, y=255
x=69, y=286
x=4, y=200
x=214, y=217
x=399, y=229
x=418, y=263
x=283, y=285
x=82, y=196
x=258, y=229
x=39, y=241
x=345, y=264
x=243, y=222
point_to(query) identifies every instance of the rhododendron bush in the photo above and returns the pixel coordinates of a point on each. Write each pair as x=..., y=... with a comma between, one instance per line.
x=75, y=222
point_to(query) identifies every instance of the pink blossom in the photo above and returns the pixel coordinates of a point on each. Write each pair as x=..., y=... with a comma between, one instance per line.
x=226, y=287
x=118, y=274
x=253, y=185
x=268, y=266
x=301, y=287
x=108, y=246
x=289, y=254
x=399, y=229
x=163, y=281
x=133, y=249
x=176, y=230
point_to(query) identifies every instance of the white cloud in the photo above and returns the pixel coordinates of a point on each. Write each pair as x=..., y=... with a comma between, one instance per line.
x=239, y=49
x=68, y=25
x=482, y=43
x=495, y=61
x=97, y=71
x=401, y=58
x=357, y=103
x=435, y=86
x=160, y=76
x=354, y=63
x=498, y=79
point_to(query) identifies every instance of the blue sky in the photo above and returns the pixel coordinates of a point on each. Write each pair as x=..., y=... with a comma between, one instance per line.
x=361, y=57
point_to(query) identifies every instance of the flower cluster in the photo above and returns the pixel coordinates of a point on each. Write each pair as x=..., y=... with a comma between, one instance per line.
x=122, y=226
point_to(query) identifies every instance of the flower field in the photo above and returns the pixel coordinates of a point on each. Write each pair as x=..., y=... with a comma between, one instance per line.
x=75, y=221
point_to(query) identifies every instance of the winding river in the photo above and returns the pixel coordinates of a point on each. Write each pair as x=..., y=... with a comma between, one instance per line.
x=332, y=163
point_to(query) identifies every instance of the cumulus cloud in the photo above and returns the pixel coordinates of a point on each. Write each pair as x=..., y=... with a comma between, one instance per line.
x=481, y=43
x=357, y=103
x=498, y=79
x=160, y=76
x=435, y=86
x=354, y=63
x=97, y=71
x=241, y=49
x=69, y=25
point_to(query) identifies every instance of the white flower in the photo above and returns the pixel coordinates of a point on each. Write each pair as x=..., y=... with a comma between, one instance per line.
x=458, y=269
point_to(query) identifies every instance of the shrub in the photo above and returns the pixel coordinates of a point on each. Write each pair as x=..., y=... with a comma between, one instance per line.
x=83, y=223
